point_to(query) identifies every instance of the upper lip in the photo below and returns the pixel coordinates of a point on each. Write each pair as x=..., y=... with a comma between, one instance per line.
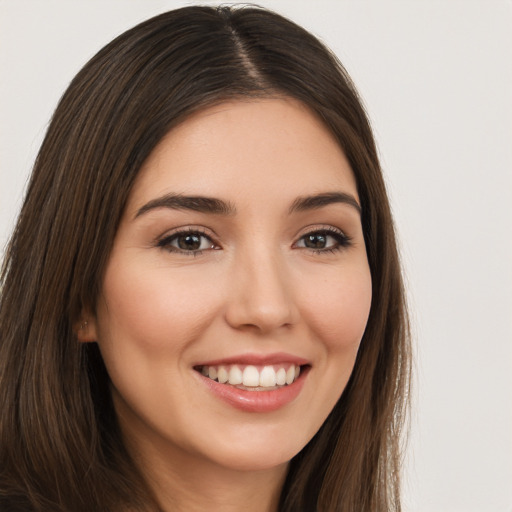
x=256, y=360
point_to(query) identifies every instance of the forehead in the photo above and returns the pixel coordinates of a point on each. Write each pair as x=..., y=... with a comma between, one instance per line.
x=271, y=148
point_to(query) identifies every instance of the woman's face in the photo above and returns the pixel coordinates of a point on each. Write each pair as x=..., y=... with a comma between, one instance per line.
x=239, y=263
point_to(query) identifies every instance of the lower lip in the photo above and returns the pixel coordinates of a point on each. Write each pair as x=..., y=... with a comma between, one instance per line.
x=257, y=401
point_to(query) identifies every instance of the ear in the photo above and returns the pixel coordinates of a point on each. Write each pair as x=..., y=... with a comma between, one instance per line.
x=85, y=328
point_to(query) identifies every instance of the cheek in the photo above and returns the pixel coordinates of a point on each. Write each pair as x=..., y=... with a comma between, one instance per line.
x=336, y=314
x=339, y=309
x=156, y=309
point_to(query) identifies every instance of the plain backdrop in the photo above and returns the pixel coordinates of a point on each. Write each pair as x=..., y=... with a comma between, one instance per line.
x=436, y=77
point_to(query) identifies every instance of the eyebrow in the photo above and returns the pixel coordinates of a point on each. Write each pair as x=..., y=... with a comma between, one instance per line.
x=216, y=206
x=317, y=201
x=196, y=203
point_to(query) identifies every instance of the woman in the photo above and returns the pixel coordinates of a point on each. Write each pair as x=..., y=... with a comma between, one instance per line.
x=201, y=303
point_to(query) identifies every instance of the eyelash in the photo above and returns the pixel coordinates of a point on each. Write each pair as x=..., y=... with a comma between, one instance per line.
x=342, y=241
x=165, y=243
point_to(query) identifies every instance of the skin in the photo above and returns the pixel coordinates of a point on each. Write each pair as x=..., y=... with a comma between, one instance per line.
x=254, y=288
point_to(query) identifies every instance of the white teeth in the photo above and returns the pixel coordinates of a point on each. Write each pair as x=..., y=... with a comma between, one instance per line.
x=222, y=375
x=281, y=377
x=235, y=376
x=268, y=377
x=251, y=376
x=290, y=375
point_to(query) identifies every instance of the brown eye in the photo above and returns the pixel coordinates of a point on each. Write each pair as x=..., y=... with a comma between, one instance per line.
x=327, y=240
x=190, y=242
x=315, y=241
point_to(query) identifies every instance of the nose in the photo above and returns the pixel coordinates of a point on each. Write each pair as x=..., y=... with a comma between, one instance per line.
x=261, y=297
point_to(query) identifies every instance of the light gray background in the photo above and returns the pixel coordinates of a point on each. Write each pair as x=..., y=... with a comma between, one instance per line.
x=436, y=77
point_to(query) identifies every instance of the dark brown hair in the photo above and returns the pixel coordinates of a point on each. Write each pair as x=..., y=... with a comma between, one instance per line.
x=60, y=447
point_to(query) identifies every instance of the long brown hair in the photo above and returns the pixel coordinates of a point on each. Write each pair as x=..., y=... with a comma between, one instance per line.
x=60, y=446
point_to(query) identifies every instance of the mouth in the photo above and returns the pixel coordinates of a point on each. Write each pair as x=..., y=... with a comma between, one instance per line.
x=251, y=377
x=255, y=383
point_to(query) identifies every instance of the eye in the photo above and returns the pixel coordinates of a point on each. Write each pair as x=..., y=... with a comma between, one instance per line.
x=324, y=240
x=192, y=242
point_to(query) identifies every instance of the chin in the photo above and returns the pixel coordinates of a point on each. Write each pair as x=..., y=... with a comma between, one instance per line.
x=253, y=452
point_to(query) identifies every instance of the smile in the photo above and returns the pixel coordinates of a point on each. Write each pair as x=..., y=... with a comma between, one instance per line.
x=253, y=377
x=255, y=383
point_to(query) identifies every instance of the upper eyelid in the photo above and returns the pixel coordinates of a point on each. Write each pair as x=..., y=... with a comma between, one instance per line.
x=315, y=228
x=213, y=237
x=208, y=233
